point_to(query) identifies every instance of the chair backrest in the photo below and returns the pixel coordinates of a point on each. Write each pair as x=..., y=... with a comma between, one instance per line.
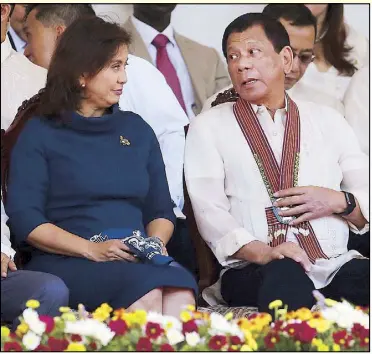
x=10, y=136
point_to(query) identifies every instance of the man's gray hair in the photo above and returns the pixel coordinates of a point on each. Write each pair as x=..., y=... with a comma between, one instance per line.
x=60, y=14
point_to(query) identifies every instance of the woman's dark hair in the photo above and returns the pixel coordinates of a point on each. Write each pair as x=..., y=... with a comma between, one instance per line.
x=274, y=30
x=86, y=47
x=334, y=46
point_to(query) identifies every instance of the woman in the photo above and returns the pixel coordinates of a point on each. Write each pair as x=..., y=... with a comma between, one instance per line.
x=339, y=52
x=82, y=167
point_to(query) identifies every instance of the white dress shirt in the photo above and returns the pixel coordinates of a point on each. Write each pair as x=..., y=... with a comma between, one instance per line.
x=148, y=34
x=6, y=246
x=20, y=80
x=148, y=94
x=356, y=103
x=19, y=43
x=228, y=194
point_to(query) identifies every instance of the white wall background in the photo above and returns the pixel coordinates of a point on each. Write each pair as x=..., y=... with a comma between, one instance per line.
x=206, y=23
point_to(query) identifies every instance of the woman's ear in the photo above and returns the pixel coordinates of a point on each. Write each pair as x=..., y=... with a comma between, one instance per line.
x=287, y=59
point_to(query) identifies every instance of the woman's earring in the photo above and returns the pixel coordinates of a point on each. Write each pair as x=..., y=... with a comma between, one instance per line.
x=82, y=85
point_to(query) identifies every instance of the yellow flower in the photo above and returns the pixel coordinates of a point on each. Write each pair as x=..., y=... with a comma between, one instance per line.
x=101, y=314
x=33, y=304
x=303, y=314
x=64, y=309
x=198, y=315
x=319, y=345
x=190, y=308
x=323, y=348
x=68, y=316
x=275, y=304
x=229, y=316
x=5, y=331
x=320, y=324
x=245, y=348
x=22, y=328
x=76, y=347
x=330, y=302
x=106, y=307
x=137, y=317
x=185, y=316
x=336, y=347
x=250, y=340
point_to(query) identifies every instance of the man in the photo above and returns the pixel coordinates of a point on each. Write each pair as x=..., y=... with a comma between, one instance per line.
x=16, y=33
x=268, y=180
x=193, y=71
x=146, y=93
x=19, y=286
x=300, y=25
x=20, y=79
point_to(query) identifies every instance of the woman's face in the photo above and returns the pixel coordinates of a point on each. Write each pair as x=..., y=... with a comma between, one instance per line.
x=317, y=9
x=105, y=89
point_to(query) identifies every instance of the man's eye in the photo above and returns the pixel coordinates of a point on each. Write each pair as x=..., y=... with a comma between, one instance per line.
x=232, y=56
x=254, y=51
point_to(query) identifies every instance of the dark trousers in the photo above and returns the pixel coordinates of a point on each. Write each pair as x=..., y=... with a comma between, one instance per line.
x=256, y=285
x=180, y=247
x=360, y=243
x=23, y=285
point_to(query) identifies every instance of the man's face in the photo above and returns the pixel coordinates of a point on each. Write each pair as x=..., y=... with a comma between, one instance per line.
x=256, y=70
x=41, y=40
x=17, y=20
x=153, y=10
x=302, y=39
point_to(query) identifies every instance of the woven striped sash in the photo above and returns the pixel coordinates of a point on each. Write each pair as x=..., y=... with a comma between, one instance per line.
x=277, y=177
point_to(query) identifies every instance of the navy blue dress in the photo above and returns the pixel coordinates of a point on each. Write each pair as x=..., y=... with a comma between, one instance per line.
x=85, y=178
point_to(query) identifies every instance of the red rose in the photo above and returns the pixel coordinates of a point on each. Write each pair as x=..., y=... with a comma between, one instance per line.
x=305, y=333
x=277, y=325
x=12, y=347
x=235, y=340
x=364, y=342
x=359, y=331
x=119, y=327
x=144, y=345
x=57, y=345
x=271, y=339
x=153, y=330
x=49, y=322
x=76, y=338
x=42, y=348
x=217, y=342
x=189, y=326
x=166, y=348
x=252, y=316
x=291, y=328
x=92, y=346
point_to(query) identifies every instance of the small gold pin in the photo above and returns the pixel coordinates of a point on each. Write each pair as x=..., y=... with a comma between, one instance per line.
x=124, y=141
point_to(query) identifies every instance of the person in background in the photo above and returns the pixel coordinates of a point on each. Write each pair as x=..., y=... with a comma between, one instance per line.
x=276, y=184
x=357, y=106
x=83, y=171
x=193, y=71
x=16, y=34
x=20, y=79
x=19, y=286
x=339, y=52
x=44, y=25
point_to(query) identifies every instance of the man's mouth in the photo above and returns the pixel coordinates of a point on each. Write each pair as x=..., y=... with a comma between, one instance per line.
x=249, y=82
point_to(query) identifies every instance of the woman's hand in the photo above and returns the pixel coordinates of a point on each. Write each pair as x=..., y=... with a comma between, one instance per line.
x=111, y=250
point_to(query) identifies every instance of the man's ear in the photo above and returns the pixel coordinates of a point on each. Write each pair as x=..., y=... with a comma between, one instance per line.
x=5, y=12
x=59, y=30
x=287, y=59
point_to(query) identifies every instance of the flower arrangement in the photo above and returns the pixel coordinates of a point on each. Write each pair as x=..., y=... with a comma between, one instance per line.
x=336, y=326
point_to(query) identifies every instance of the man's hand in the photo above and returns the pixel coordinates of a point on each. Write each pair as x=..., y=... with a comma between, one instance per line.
x=310, y=203
x=289, y=250
x=6, y=263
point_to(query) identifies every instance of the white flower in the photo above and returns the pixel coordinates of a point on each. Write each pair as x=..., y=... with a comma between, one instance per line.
x=91, y=328
x=31, y=340
x=192, y=339
x=31, y=317
x=167, y=322
x=221, y=326
x=174, y=336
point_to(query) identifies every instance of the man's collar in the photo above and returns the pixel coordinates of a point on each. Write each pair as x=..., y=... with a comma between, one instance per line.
x=256, y=107
x=6, y=50
x=148, y=33
x=18, y=41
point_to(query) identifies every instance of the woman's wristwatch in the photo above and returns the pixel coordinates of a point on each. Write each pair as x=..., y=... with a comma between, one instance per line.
x=350, y=202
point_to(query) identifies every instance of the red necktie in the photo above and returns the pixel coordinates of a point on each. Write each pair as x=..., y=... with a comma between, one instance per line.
x=166, y=67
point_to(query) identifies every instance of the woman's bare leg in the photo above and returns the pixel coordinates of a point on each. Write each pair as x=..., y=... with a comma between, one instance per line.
x=175, y=300
x=152, y=301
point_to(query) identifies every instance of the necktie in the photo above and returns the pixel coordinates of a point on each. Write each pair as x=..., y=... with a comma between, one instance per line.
x=166, y=67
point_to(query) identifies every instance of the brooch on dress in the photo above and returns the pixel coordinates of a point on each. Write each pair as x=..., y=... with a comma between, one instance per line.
x=124, y=141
